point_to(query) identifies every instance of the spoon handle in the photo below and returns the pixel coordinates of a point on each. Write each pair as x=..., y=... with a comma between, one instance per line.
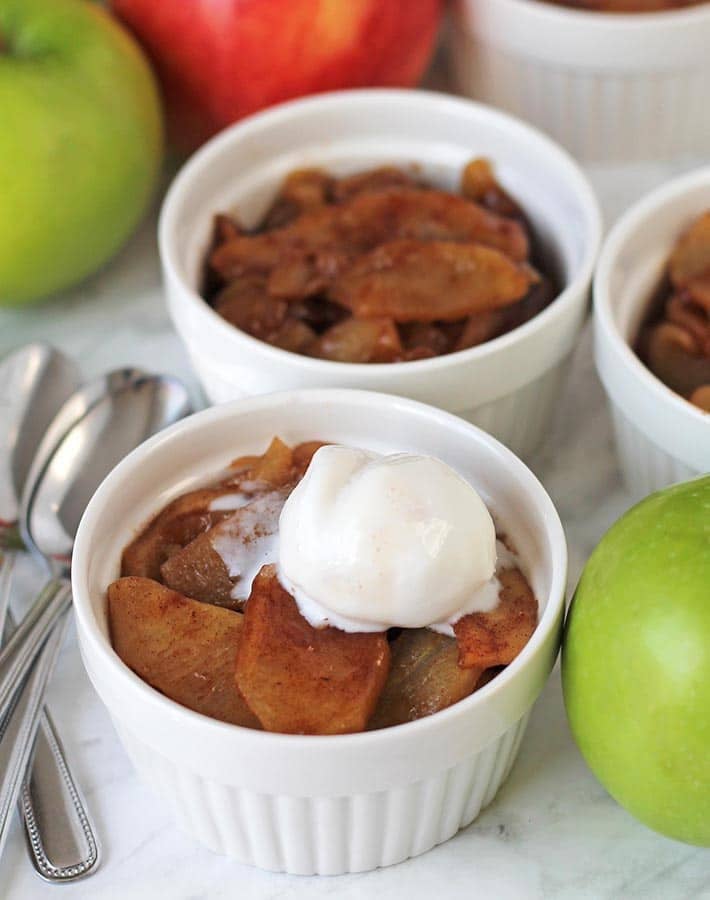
x=19, y=729
x=59, y=833
x=18, y=654
x=60, y=836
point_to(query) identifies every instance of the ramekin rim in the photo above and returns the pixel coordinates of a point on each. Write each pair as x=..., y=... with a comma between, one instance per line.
x=374, y=371
x=630, y=21
x=89, y=631
x=626, y=225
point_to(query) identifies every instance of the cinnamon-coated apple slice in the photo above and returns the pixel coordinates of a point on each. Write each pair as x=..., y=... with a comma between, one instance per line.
x=426, y=281
x=690, y=259
x=214, y=567
x=174, y=527
x=424, y=678
x=495, y=638
x=302, y=680
x=359, y=341
x=183, y=648
x=332, y=236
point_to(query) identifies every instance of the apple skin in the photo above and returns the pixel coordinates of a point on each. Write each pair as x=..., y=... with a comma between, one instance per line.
x=80, y=143
x=223, y=60
x=636, y=662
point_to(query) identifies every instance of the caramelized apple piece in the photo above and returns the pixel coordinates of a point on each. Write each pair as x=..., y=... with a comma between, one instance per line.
x=178, y=524
x=274, y=468
x=302, y=680
x=683, y=310
x=225, y=228
x=424, y=339
x=690, y=259
x=478, y=183
x=302, y=190
x=424, y=677
x=295, y=336
x=326, y=240
x=246, y=304
x=359, y=341
x=482, y=327
x=252, y=471
x=673, y=355
x=242, y=464
x=379, y=179
x=303, y=454
x=495, y=638
x=295, y=277
x=427, y=281
x=428, y=215
x=219, y=565
x=183, y=648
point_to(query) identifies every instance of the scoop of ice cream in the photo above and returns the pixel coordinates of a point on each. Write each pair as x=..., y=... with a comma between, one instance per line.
x=368, y=542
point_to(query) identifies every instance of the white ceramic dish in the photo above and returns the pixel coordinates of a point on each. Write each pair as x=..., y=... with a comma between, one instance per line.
x=610, y=87
x=660, y=437
x=509, y=386
x=343, y=803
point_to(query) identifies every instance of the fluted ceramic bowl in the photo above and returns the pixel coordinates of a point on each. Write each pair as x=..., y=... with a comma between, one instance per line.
x=320, y=804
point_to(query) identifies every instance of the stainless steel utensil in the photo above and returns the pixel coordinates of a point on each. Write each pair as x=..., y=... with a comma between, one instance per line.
x=35, y=381
x=128, y=408
x=92, y=432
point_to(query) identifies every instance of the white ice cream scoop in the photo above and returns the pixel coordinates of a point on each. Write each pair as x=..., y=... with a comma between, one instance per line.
x=368, y=542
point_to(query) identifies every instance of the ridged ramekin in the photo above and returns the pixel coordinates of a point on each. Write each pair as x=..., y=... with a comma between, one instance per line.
x=660, y=437
x=332, y=804
x=511, y=385
x=610, y=87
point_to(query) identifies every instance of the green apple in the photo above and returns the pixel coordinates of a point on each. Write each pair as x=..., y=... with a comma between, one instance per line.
x=636, y=661
x=80, y=143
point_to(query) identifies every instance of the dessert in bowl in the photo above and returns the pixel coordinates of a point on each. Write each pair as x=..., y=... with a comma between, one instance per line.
x=510, y=384
x=324, y=802
x=609, y=82
x=321, y=589
x=651, y=334
x=379, y=266
x=674, y=342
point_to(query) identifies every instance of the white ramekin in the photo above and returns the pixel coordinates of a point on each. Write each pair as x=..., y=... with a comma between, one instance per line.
x=509, y=386
x=660, y=437
x=610, y=87
x=335, y=804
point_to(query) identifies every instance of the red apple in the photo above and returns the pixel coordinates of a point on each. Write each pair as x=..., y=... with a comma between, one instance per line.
x=219, y=60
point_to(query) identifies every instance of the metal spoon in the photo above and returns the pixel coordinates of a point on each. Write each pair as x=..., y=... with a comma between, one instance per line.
x=93, y=431
x=35, y=381
x=132, y=407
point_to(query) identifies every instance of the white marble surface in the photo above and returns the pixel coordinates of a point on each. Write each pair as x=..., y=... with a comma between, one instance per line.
x=552, y=832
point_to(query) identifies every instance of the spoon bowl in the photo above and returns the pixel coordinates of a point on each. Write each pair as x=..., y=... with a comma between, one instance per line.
x=35, y=381
x=128, y=407
x=121, y=410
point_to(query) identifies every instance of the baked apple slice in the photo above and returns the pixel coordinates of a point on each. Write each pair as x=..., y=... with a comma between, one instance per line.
x=219, y=565
x=426, y=281
x=495, y=638
x=178, y=524
x=424, y=678
x=298, y=679
x=183, y=648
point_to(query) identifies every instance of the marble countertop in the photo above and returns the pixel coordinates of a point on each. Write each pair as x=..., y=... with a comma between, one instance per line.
x=552, y=832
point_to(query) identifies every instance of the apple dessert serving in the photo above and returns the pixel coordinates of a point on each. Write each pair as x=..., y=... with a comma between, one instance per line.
x=379, y=267
x=675, y=341
x=321, y=589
